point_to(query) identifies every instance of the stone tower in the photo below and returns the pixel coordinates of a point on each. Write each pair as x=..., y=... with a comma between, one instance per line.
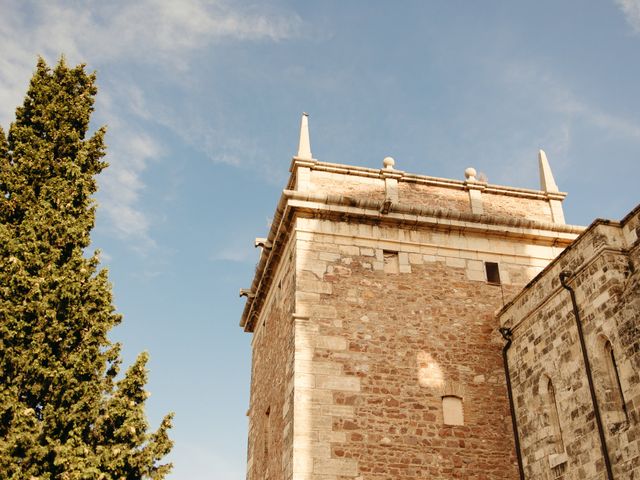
x=376, y=352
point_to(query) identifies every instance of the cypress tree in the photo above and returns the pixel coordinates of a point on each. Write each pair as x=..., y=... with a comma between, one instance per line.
x=65, y=413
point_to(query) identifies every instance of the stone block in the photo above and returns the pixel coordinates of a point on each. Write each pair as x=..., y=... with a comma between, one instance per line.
x=329, y=256
x=302, y=462
x=335, y=466
x=304, y=380
x=344, y=411
x=416, y=259
x=318, y=268
x=318, y=366
x=556, y=459
x=306, y=297
x=323, y=311
x=320, y=422
x=314, y=286
x=476, y=265
x=338, y=382
x=332, y=436
x=456, y=262
x=330, y=343
x=322, y=397
x=428, y=249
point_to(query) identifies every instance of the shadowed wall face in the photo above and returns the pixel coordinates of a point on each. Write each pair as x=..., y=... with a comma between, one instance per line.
x=604, y=262
x=270, y=414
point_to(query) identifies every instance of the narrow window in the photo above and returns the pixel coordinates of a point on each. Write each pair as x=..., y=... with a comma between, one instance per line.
x=391, y=261
x=615, y=387
x=267, y=433
x=493, y=272
x=452, y=410
x=554, y=418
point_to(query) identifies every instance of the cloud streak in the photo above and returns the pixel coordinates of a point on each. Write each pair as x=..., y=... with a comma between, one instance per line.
x=153, y=31
x=556, y=97
x=631, y=11
x=162, y=34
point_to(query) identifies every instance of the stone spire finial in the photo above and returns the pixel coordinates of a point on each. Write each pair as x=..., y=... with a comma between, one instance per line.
x=547, y=183
x=304, y=146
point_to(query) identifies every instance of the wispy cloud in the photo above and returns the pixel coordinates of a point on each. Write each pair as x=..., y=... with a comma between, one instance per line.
x=161, y=33
x=129, y=153
x=552, y=95
x=557, y=115
x=610, y=123
x=152, y=31
x=234, y=253
x=122, y=186
x=631, y=10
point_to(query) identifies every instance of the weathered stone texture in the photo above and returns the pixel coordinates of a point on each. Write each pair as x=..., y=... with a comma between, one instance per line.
x=432, y=196
x=379, y=309
x=270, y=443
x=383, y=346
x=453, y=197
x=605, y=262
x=533, y=209
x=347, y=185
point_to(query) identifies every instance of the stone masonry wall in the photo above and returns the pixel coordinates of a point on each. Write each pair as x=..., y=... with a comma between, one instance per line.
x=437, y=197
x=414, y=193
x=388, y=322
x=606, y=265
x=270, y=442
x=496, y=204
x=371, y=324
x=348, y=185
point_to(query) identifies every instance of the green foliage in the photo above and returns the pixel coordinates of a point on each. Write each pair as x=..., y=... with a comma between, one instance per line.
x=64, y=412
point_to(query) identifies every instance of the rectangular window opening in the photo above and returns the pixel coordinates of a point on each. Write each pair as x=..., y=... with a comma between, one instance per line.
x=493, y=273
x=452, y=411
x=267, y=432
x=391, y=261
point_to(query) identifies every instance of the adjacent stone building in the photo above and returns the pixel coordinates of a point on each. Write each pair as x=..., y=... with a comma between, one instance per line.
x=569, y=407
x=376, y=350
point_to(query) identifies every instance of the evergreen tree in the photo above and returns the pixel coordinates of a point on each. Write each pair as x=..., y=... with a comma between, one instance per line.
x=64, y=411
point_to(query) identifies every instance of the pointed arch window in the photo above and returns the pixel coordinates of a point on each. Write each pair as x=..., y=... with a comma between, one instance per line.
x=614, y=396
x=552, y=414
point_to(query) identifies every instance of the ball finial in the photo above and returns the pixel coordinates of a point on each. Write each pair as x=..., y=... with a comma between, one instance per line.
x=470, y=174
x=388, y=162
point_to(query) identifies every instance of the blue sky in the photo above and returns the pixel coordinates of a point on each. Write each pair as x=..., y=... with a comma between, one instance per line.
x=203, y=101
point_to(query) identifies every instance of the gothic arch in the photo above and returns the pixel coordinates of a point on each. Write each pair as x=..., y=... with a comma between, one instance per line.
x=609, y=385
x=551, y=414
